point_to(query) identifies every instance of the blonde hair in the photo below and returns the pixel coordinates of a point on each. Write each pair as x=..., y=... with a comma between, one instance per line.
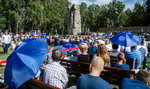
x=121, y=56
x=102, y=52
x=83, y=47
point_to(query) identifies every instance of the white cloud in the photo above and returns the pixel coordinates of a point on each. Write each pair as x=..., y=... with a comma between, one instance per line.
x=128, y=3
x=89, y=2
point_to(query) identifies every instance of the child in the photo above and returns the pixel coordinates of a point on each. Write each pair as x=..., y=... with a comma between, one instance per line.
x=75, y=56
x=121, y=62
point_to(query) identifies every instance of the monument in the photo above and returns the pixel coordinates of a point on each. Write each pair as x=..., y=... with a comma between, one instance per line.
x=74, y=25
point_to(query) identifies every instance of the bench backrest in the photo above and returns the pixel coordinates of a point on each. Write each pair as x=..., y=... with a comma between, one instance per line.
x=115, y=75
x=110, y=74
x=36, y=84
x=73, y=66
x=132, y=62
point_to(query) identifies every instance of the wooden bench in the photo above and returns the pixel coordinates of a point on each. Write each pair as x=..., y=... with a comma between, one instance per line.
x=73, y=66
x=36, y=84
x=115, y=75
x=110, y=74
x=132, y=62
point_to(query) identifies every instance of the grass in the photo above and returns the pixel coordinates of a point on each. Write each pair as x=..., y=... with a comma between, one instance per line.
x=3, y=58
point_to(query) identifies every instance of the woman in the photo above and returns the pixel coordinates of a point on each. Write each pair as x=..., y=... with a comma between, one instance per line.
x=84, y=56
x=102, y=52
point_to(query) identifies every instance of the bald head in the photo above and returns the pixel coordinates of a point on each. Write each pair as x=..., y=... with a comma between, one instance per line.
x=97, y=64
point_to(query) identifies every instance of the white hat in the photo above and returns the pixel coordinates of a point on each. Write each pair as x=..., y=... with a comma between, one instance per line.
x=101, y=42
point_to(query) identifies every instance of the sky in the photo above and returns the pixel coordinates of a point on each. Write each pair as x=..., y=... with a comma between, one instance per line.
x=128, y=3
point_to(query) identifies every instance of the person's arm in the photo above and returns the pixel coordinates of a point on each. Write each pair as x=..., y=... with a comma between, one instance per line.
x=46, y=76
x=64, y=79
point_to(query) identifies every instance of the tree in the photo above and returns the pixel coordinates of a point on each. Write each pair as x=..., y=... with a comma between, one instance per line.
x=93, y=14
x=115, y=16
x=138, y=15
x=147, y=6
x=2, y=17
x=84, y=15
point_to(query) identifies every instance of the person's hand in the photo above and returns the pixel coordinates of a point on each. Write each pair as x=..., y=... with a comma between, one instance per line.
x=64, y=86
x=42, y=67
x=124, y=61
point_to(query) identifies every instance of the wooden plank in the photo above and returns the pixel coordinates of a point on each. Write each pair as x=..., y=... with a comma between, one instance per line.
x=110, y=74
x=36, y=84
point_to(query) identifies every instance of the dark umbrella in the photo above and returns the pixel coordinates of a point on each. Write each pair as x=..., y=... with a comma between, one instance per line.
x=25, y=61
x=126, y=39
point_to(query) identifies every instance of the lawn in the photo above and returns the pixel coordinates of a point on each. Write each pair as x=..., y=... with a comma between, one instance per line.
x=3, y=58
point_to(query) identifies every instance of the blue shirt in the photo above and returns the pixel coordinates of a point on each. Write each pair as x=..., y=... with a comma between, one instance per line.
x=135, y=54
x=123, y=66
x=74, y=58
x=92, y=82
x=92, y=49
x=132, y=84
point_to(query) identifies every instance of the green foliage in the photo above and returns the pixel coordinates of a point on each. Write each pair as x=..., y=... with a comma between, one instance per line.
x=52, y=15
x=28, y=15
x=114, y=15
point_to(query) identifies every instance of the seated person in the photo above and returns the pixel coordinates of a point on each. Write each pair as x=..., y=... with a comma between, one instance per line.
x=121, y=62
x=103, y=53
x=54, y=73
x=134, y=53
x=115, y=51
x=93, y=48
x=141, y=82
x=108, y=45
x=84, y=56
x=92, y=80
x=75, y=56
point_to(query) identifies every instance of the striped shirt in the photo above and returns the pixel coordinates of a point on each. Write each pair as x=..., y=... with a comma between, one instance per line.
x=55, y=74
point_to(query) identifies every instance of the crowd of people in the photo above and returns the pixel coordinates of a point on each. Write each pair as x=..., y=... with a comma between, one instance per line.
x=94, y=50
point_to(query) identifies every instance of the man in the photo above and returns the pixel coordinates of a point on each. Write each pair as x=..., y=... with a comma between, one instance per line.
x=6, y=39
x=141, y=82
x=92, y=80
x=135, y=54
x=54, y=73
x=144, y=52
x=93, y=49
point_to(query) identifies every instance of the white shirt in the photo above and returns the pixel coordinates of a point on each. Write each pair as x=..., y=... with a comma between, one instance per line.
x=6, y=39
x=143, y=50
x=109, y=47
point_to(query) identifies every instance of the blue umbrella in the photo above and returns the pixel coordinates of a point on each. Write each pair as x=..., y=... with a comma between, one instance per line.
x=43, y=35
x=66, y=44
x=106, y=34
x=72, y=46
x=82, y=41
x=126, y=39
x=98, y=35
x=25, y=61
x=140, y=36
x=94, y=36
x=60, y=48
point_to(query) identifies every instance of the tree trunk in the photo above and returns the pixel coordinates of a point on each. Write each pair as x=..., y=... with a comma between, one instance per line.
x=10, y=27
x=17, y=27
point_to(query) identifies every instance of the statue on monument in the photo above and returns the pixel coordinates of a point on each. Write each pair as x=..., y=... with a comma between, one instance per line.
x=74, y=25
